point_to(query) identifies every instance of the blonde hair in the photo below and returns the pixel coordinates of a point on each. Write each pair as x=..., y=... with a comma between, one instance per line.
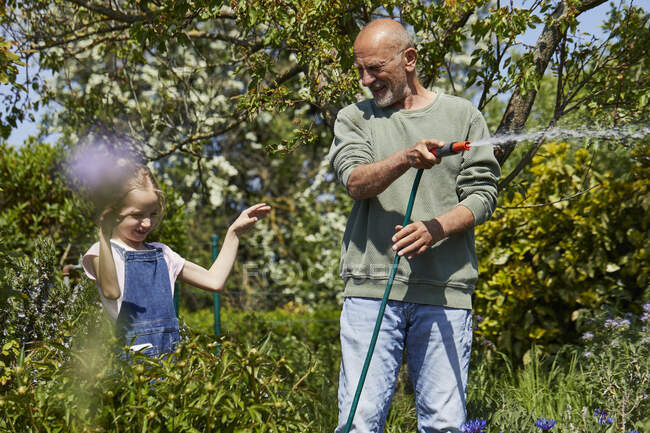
x=128, y=176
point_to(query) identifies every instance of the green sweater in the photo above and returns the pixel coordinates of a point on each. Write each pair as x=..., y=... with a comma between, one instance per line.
x=445, y=274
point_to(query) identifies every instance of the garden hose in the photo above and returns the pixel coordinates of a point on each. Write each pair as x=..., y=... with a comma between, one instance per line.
x=447, y=149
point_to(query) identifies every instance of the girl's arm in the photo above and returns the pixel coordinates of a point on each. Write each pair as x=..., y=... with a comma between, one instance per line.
x=104, y=265
x=214, y=279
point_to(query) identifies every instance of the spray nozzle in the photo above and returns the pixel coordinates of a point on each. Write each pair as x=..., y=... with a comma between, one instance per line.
x=451, y=148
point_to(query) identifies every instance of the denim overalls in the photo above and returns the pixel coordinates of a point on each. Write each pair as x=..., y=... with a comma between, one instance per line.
x=147, y=319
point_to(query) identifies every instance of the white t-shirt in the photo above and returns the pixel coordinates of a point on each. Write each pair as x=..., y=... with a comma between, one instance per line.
x=174, y=262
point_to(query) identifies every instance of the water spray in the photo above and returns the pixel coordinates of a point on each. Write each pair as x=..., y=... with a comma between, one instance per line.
x=440, y=152
x=626, y=136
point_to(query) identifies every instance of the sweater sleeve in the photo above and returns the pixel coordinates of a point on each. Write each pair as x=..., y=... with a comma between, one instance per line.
x=351, y=145
x=477, y=181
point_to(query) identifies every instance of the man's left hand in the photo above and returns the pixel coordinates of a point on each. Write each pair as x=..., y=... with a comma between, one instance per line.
x=417, y=237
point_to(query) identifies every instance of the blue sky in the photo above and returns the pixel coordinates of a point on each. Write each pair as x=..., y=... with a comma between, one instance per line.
x=589, y=22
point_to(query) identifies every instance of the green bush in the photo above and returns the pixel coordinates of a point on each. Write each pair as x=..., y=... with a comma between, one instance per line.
x=237, y=389
x=542, y=268
x=312, y=336
x=35, y=201
x=276, y=371
x=37, y=306
x=60, y=370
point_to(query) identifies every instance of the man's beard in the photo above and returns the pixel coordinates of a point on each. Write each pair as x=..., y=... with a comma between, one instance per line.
x=392, y=94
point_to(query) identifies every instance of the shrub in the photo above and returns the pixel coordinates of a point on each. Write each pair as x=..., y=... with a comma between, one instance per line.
x=542, y=268
x=66, y=376
x=37, y=307
x=236, y=389
x=312, y=336
x=35, y=201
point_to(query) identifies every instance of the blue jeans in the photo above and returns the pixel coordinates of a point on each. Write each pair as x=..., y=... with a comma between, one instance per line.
x=438, y=342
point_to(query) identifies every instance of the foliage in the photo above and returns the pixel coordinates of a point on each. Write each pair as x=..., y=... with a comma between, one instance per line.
x=275, y=371
x=543, y=269
x=36, y=306
x=60, y=370
x=35, y=201
x=254, y=384
x=616, y=345
x=184, y=76
x=38, y=201
x=312, y=335
x=606, y=373
x=239, y=389
x=9, y=63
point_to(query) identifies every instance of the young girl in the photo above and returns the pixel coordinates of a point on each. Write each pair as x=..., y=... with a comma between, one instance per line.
x=136, y=279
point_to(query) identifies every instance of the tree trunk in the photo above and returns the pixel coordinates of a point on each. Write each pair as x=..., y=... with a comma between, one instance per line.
x=519, y=106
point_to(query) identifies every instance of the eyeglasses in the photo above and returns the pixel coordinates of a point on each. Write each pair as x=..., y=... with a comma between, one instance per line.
x=375, y=68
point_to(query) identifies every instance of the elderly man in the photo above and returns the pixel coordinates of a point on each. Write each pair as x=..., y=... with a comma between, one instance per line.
x=376, y=142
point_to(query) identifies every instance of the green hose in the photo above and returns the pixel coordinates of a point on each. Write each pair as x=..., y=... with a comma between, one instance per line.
x=380, y=315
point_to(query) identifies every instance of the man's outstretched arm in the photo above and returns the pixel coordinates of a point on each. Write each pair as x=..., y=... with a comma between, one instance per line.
x=370, y=180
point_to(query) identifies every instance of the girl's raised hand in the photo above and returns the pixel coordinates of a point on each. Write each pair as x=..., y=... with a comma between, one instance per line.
x=107, y=221
x=249, y=216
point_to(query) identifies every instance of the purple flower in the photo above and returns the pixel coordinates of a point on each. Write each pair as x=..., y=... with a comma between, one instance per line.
x=610, y=323
x=544, y=424
x=488, y=343
x=473, y=426
x=587, y=336
x=603, y=417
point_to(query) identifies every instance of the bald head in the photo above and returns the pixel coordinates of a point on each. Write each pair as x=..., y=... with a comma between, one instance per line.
x=385, y=33
x=386, y=61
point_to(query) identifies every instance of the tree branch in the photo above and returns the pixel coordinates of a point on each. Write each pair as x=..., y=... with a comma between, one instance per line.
x=462, y=20
x=180, y=146
x=569, y=197
x=80, y=37
x=195, y=34
x=520, y=105
x=112, y=13
x=132, y=19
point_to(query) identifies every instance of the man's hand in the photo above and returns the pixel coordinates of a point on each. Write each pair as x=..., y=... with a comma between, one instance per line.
x=420, y=156
x=417, y=237
x=370, y=180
